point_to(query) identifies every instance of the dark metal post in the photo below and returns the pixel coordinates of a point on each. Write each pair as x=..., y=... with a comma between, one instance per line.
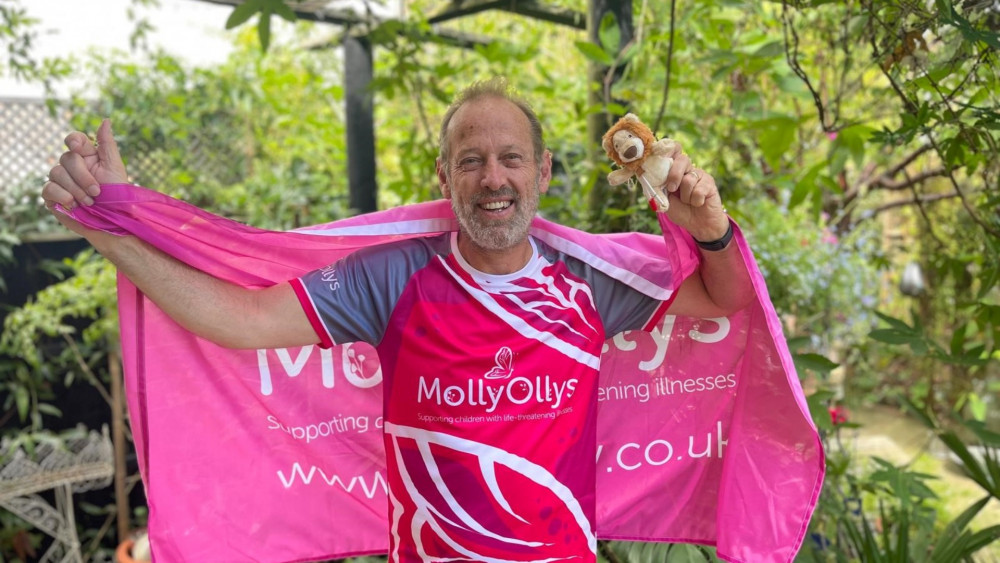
x=603, y=195
x=358, y=72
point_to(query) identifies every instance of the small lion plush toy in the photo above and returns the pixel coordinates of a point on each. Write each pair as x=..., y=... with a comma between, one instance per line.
x=632, y=146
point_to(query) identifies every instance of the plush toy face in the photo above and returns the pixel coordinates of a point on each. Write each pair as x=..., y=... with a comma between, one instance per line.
x=628, y=142
x=628, y=146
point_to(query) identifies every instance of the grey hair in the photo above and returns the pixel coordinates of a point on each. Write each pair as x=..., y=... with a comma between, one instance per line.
x=496, y=87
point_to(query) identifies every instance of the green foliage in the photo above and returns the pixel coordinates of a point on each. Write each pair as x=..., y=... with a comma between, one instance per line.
x=888, y=513
x=263, y=9
x=846, y=137
x=920, y=344
x=22, y=214
x=43, y=343
x=18, y=35
x=637, y=552
x=259, y=139
x=825, y=285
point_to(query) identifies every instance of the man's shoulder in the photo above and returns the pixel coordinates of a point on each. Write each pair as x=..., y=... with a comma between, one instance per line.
x=554, y=254
x=417, y=249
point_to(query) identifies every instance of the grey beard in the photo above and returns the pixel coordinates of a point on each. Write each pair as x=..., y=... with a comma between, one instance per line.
x=497, y=236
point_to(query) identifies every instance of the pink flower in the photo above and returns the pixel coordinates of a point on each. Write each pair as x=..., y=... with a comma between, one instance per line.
x=838, y=415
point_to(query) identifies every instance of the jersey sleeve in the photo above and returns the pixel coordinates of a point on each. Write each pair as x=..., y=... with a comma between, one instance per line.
x=352, y=299
x=624, y=308
x=620, y=306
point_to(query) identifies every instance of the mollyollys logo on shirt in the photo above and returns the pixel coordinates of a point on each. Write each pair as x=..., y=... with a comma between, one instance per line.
x=497, y=387
x=505, y=365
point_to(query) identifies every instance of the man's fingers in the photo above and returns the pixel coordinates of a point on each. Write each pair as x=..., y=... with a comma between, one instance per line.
x=676, y=149
x=71, y=223
x=686, y=188
x=80, y=144
x=695, y=188
x=77, y=175
x=53, y=194
x=699, y=189
x=63, y=189
x=81, y=148
x=680, y=167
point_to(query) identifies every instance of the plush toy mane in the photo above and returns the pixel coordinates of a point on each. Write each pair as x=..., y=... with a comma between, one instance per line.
x=639, y=129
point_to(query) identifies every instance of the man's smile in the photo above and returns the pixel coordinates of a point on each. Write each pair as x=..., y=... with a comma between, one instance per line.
x=496, y=206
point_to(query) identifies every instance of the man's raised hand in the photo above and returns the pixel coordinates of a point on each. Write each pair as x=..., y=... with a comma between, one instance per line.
x=76, y=179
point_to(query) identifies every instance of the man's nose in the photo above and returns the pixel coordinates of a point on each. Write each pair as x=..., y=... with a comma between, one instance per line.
x=493, y=176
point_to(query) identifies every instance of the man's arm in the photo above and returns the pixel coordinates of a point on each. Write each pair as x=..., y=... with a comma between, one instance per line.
x=719, y=288
x=216, y=310
x=722, y=284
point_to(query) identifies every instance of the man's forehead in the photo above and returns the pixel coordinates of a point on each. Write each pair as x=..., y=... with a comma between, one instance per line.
x=491, y=116
x=489, y=111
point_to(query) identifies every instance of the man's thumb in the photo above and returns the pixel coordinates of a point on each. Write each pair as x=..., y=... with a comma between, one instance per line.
x=107, y=148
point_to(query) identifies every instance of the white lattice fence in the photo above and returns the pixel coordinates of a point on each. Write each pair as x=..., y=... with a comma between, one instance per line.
x=31, y=140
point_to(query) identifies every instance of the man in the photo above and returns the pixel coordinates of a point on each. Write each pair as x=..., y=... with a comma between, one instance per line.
x=478, y=304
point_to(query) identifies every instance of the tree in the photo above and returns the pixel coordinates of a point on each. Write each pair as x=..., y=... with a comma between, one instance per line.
x=18, y=35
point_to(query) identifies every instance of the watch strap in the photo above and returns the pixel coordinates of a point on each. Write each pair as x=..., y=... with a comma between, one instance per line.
x=719, y=243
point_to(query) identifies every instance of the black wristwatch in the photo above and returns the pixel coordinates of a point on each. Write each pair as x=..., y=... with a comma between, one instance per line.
x=719, y=243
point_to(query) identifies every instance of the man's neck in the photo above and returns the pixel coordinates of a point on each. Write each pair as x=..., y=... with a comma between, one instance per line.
x=496, y=262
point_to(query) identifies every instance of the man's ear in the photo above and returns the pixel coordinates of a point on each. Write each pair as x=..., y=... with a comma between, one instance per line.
x=545, y=172
x=442, y=179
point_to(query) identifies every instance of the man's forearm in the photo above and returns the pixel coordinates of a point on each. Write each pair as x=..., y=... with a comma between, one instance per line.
x=726, y=279
x=216, y=310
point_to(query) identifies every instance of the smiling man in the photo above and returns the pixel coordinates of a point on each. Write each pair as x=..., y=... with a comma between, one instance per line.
x=489, y=339
x=493, y=168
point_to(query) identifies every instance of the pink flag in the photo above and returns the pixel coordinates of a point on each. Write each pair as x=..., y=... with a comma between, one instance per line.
x=276, y=455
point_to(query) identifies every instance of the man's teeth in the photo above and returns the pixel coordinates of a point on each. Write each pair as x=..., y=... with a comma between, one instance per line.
x=495, y=205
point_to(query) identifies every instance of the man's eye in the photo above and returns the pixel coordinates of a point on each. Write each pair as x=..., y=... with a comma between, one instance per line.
x=513, y=158
x=469, y=163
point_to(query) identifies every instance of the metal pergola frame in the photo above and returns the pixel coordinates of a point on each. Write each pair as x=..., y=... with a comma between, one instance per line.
x=359, y=64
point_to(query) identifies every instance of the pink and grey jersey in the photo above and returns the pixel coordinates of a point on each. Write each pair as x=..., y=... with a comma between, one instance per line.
x=490, y=392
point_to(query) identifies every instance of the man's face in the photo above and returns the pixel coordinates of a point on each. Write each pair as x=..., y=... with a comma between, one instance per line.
x=492, y=178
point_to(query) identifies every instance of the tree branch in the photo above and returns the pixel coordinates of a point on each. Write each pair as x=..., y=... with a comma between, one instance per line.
x=670, y=61
x=916, y=200
x=905, y=162
x=923, y=212
x=911, y=107
x=791, y=38
x=91, y=376
x=885, y=182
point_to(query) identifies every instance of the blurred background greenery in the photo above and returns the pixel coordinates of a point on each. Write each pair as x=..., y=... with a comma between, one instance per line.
x=855, y=142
